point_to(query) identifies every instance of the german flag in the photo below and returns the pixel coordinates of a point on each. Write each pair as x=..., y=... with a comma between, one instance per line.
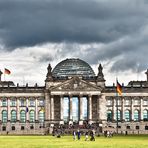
x=119, y=88
x=7, y=71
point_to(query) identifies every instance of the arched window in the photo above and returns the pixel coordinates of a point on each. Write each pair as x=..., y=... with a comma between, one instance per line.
x=23, y=116
x=119, y=115
x=127, y=115
x=145, y=115
x=32, y=115
x=4, y=116
x=136, y=115
x=13, y=116
x=109, y=115
x=41, y=116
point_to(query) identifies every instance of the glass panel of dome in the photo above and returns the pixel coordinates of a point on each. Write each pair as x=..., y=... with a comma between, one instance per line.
x=70, y=67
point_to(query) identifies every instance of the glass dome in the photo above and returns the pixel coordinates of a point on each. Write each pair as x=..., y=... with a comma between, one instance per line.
x=73, y=67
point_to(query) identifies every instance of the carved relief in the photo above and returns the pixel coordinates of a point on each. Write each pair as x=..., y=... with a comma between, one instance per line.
x=76, y=84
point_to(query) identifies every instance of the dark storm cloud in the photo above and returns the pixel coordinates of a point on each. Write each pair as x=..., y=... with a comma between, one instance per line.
x=28, y=23
x=130, y=53
x=119, y=26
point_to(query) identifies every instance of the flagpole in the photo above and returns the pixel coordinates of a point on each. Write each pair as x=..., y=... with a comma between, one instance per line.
x=4, y=75
x=116, y=107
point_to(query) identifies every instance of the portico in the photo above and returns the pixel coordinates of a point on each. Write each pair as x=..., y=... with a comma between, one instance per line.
x=74, y=107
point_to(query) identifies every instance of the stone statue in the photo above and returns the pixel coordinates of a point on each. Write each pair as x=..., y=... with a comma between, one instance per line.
x=49, y=73
x=100, y=75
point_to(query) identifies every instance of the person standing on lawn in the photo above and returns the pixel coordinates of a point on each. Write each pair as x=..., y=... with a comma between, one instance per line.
x=74, y=135
x=79, y=135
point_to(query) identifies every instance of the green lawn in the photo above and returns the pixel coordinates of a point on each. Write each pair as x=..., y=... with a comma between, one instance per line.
x=67, y=142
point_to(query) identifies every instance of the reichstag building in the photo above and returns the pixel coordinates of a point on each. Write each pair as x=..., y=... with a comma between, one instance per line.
x=73, y=94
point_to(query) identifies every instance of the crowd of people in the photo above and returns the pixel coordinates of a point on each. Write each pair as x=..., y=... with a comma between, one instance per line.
x=69, y=128
x=87, y=134
x=76, y=134
x=87, y=130
x=76, y=130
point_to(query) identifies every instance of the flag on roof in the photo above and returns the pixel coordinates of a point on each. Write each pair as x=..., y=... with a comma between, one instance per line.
x=7, y=71
x=119, y=88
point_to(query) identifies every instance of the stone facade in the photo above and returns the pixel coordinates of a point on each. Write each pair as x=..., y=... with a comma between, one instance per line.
x=34, y=110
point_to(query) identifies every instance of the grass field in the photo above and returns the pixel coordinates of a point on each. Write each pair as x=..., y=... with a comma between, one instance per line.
x=67, y=142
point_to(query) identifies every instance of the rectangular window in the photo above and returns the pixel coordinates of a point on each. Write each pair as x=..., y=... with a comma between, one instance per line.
x=32, y=102
x=119, y=102
x=137, y=127
x=13, y=128
x=4, y=102
x=22, y=127
x=4, y=128
x=41, y=102
x=22, y=102
x=128, y=127
x=109, y=102
x=146, y=127
x=145, y=102
x=13, y=102
x=31, y=127
x=137, y=102
x=127, y=102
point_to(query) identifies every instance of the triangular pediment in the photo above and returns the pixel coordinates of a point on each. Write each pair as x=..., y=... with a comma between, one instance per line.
x=76, y=84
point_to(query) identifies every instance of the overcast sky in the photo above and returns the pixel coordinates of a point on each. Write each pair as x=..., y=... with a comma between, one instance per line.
x=35, y=33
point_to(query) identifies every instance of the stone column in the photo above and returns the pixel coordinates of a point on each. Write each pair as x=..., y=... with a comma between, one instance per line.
x=90, y=108
x=52, y=107
x=70, y=107
x=81, y=110
x=61, y=110
x=36, y=109
x=98, y=108
x=81, y=107
x=27, y=113
x=141, y=108
x=132, y=108
x=114, y=109
x=8, y=107
x=103, y=108
x=18, y=108
x=47, y=106
x=123, y=111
